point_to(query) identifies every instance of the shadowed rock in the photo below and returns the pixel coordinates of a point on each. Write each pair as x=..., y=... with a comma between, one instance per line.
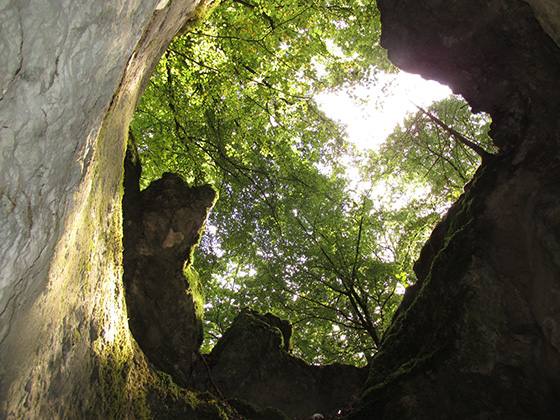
x=252, y=361
x=162, y=225
x=477, y=336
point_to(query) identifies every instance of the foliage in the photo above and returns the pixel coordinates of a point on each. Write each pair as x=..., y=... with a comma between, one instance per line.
x=295, y=232
x=430, y=154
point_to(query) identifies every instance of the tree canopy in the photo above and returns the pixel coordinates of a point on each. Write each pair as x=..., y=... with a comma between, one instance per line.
x=306, y=226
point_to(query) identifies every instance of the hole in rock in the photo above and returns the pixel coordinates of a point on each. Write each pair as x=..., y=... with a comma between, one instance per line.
x=268, y=244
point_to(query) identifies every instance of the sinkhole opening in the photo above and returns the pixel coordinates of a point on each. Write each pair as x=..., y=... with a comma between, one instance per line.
x=331, y=168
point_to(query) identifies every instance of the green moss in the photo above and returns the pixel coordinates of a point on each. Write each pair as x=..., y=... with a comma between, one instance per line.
x=165, y=400
x=128, y=388
x=115, y=363
x=195, y=288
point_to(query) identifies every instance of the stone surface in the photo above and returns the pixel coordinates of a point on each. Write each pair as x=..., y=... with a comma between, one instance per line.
x=484, y=50
x=251, y=361
x=548, y=14
x=50, y=120
x=162, y=225
x=71, y=75
x=477, y=337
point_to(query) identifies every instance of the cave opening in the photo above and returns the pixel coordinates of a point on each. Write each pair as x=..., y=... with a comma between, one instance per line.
x=476, y=337
x=311, y=242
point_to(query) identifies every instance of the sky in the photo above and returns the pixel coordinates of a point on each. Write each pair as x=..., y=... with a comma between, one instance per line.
x=389, y=102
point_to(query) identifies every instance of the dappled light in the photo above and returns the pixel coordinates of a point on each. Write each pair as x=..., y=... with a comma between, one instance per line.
x=370, y=113
x=308, y=226
x=244, y=249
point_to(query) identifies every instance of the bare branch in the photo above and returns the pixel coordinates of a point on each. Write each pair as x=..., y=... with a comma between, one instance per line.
x=459, y=137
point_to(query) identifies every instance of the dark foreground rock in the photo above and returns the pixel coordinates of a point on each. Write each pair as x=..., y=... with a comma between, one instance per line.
x=162, y=225
x=479, y=335
x=252, y=361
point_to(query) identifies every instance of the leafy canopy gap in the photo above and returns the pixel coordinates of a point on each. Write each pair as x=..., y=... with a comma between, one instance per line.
x=307, y=226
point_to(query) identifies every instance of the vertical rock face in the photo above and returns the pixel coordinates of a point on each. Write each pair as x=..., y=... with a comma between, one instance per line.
x=53, y=54
x=479, y=340
x=548, y=14
x=478, y=336
x=71, y=74
x=252, y=361
x=162, y=225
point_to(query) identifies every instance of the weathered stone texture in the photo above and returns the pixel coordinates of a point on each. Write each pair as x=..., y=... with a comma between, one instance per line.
x=480, y=339
x=162, y=226
x=54, y=53
x=71, y=75
x=477, y=337
x=548, y=14
x=252, y=361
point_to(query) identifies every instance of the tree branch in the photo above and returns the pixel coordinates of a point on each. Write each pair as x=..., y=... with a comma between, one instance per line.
x=459, y=137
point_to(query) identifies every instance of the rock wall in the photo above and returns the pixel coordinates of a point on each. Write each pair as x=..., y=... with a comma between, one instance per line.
x=548, y=14
x=480, y=339
x=252, y=361
x=162, y=226
x=71, y=76
x=478, y=336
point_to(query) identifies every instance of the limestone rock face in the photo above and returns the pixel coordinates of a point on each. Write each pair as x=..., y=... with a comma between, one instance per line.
x=251, y=361
x=494, y=53
x=477, y=337
x=162, y=225
x=71, y=74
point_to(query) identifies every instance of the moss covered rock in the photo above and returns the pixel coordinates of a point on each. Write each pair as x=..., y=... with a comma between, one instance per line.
x=162, y=225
